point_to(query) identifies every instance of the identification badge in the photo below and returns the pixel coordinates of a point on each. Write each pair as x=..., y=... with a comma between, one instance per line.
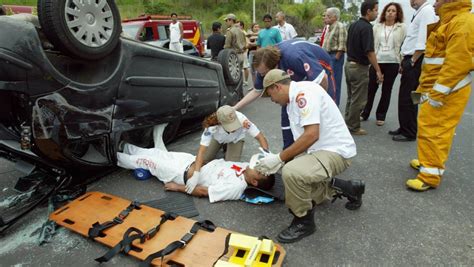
x=385, y=48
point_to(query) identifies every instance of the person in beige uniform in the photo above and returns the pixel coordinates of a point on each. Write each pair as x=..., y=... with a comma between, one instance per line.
x=235, y=38
x=322, y=149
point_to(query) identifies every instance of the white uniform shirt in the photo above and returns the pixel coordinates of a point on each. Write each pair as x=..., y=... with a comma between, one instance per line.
x=417, y=30
x=223, y=137
x=224, y=180
x=175, y=32
x=287, y=31
x=310, y=104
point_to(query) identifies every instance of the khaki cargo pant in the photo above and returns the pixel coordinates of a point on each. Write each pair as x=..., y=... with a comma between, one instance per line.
x=357, y=80
x=307, y=178
x=233, y=153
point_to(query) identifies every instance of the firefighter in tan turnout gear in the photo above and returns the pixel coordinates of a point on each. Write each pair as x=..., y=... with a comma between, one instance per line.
x=445, y=87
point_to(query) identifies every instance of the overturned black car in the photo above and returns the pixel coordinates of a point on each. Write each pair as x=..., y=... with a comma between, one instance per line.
x=73, y=89
x=64, y=107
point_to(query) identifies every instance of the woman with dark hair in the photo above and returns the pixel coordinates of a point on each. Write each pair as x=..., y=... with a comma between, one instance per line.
x=389, y=34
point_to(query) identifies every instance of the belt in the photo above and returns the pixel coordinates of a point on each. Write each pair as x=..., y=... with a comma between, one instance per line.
x=185, y=174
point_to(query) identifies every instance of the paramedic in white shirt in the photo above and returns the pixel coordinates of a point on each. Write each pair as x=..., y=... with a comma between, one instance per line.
x=322, y=149
x=225, y=126
x=287, y=30
x=176, y=34
x=225, y=180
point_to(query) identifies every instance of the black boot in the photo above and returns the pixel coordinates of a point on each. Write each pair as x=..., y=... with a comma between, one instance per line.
x=300, y=227
x=352, y=190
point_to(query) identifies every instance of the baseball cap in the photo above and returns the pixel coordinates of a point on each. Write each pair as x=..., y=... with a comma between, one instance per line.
x=228, y=118
x=230, y=16
x=272, y=77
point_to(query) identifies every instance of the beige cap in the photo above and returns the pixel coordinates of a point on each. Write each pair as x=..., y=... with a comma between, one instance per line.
x=272, y=77
x=230, y=16
x=228, y=118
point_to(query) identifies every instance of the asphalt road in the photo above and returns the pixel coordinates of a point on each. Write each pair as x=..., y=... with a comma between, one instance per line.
x=393, y=227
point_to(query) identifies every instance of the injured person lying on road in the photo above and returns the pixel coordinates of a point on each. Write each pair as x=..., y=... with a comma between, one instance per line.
x=219, y=180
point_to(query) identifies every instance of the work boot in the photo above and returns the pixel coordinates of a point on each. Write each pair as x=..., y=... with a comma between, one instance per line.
x=415, y=164
x=417, y=185
x=352, y=190
x=300, y=227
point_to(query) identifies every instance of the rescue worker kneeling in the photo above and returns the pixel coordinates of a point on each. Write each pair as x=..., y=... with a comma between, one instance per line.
x=445, y=87
x=220, y=180
x=326, y=145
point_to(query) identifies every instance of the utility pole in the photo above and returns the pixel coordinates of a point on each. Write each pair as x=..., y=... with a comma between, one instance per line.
x=254, y=11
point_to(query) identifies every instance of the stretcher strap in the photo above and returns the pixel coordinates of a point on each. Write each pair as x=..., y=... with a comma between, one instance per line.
x=128, y=238
x=170, y=248
x=98, y=228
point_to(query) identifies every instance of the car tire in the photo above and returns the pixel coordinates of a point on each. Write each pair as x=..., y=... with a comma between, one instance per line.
x=81, y=30
x=231, y=67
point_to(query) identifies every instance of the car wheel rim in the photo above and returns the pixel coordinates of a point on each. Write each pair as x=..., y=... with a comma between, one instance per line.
x=234, y=67
x=90, y=22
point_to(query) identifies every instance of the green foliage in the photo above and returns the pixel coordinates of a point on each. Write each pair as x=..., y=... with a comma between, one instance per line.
x=305, y=17
x=157, y=7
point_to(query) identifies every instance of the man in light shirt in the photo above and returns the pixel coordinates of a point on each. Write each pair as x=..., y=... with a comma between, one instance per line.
x=412, y=50
x=287, y=30
x=176, y=34
x=335, y=45
x=322, y=149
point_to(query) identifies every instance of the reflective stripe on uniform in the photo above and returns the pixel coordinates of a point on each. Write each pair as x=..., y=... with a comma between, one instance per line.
x=433, y=171
x=286, y=128
x=436, y=60
x=433, y=60
x=446, y=90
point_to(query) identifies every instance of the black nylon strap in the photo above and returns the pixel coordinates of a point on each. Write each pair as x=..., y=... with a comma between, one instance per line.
x=170, y=248
x=185, y=174
x=126, y=243
x=97, y=228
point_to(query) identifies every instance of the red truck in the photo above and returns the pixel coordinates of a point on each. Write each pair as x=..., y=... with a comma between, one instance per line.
x=156, y=27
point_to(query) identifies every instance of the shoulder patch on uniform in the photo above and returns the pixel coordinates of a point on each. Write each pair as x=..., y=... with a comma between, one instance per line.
x=301, y=100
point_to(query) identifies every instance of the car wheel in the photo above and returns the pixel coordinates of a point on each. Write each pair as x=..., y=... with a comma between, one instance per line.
x=230, y=65
x=84, y=29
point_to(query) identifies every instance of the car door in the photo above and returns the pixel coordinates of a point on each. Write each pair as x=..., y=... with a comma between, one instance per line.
x=203, y=88
x=152, y=91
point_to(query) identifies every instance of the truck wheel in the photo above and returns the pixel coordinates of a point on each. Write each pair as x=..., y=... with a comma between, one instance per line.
x=230, y=65
x=84, y=29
